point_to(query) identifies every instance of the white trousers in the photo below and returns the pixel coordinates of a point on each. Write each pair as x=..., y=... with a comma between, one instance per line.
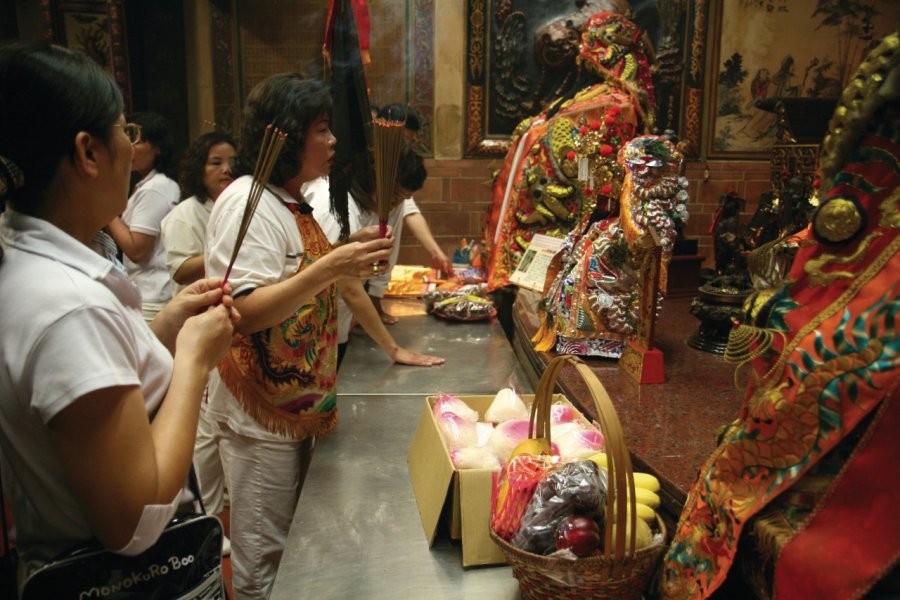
x=264, y=480
x=208, y=464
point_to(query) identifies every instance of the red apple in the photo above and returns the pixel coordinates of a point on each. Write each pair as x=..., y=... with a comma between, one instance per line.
x=579, y=534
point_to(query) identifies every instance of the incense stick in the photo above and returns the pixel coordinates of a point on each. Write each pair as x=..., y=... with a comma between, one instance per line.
x=269, y=149
x=388, y=139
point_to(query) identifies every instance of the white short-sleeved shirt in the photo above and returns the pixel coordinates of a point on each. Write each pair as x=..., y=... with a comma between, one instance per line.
x=409, y=207
x=184, y=233
x=154, y=196
x=270, y=253
x=319, y=197
x=71, y=325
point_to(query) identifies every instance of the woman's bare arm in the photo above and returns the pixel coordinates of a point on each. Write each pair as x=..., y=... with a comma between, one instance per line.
x=115, y=459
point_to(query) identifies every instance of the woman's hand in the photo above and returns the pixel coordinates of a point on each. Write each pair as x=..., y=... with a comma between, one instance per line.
x=207, y=336
x=201, y=295
x=191, y=301
x=440, y=261
x=408, y=357
x=359, y=260
x=367, y=234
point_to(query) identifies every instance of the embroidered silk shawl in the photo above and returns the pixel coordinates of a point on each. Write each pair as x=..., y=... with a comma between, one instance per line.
x=285, y=376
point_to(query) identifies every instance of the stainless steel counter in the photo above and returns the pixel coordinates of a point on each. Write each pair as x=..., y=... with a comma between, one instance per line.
x=356, y=532
x=479, y=358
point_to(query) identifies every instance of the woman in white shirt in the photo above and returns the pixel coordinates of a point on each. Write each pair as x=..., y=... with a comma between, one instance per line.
x=80, y=370
x=411, y=175
x=138, y=231
x=205, y=172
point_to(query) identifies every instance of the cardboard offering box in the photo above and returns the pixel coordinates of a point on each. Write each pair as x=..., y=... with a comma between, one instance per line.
x=466, y=492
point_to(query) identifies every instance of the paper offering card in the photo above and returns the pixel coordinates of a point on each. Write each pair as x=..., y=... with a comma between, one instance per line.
x=532, y=269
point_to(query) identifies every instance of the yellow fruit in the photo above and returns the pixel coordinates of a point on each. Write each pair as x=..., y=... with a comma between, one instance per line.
x=643, y=536
x=642, y=496
x=501, y=495
x=646, y=481
x=645, y=513
x=535, y=447
x=599, y=458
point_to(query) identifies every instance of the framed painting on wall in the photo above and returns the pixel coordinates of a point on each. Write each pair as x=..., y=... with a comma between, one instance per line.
x=765, y=50
x=96, y=28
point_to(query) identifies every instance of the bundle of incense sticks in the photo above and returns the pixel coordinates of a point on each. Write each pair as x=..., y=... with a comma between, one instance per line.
x=389, y=138
x=273, y=141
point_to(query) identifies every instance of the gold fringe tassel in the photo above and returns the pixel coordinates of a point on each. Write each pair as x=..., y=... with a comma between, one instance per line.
x=545, y=337
x=250, y=396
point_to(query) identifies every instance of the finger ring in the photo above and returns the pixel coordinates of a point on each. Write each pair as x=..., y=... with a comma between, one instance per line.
x=374, y=269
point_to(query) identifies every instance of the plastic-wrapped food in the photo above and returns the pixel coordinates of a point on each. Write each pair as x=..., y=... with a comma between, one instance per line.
x=513, y=489
x=484, y=431
x=560, y=413
x=576, y=488
x=507, y=436
x=433, y=297
x=506, y=406
x=474, y=458
x=452, y=404
x=465, y=308
x=579, y=443
x=578, y=534
x=563, y=429
x=457, y=431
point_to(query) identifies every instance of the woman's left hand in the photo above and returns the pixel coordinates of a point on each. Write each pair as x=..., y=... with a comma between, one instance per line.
x=408, y=357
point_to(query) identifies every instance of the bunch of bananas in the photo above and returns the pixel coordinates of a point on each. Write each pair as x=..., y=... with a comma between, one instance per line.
x=646, y=497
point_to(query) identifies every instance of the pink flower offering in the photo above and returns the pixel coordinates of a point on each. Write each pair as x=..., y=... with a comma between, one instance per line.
x=577, y=444
x=474, y=458
x=457, y=431
x=561, y=413
x=506, y=437
x=452, y=404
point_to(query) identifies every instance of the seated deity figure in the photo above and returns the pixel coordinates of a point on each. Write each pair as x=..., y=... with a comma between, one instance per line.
x=593, y=295
x=545, y=184
x=798, y=497
x=556, y=47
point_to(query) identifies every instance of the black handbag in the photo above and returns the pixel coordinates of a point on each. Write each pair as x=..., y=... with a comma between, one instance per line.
x=9, y=560
x=185, y=562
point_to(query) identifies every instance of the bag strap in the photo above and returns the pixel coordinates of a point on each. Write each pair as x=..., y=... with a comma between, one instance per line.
x=194, y=486
x=192, y=483
x=6, y=547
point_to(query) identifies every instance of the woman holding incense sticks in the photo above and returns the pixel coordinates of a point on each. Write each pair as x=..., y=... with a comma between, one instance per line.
x=354, y=301
x=274, y=392
x=138, y=231
x=80, y=371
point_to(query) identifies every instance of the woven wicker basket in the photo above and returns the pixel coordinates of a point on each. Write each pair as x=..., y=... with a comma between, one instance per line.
x=620, y=573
